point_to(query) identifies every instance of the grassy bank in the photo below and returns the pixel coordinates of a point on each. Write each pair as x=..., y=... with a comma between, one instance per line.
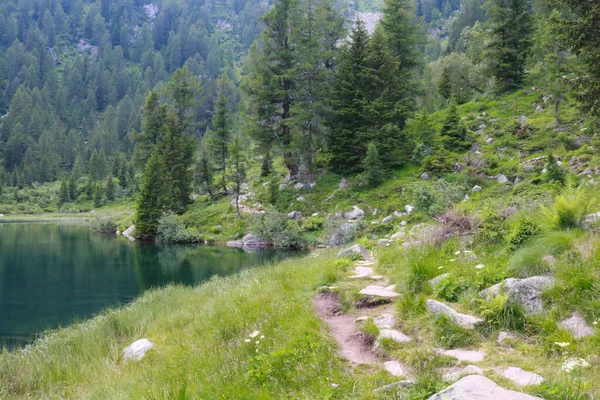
x=201, y=349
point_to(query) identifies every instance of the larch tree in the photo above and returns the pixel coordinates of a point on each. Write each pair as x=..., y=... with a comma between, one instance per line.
x=220, y=137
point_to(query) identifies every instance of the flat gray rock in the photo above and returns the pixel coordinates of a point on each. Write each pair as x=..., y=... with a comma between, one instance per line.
x=394, y=368
x=463, y=320
x=361, y=272
x=526, y=292
x=436, y=281
x=387, y=219
x=577, y=326
x=475, y=387
x=396, y=336
x=128, y=233
x=385, y=321
x=137, y=350
x=522, y=377
x=378, y=291
x=464, y=355
x=468, y=370
x=356, y=249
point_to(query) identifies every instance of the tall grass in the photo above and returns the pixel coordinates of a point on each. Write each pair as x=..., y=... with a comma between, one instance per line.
x=200, y=344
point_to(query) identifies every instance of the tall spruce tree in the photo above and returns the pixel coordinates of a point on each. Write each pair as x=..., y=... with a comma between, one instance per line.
x=149, y=205
x=221, y=136
x=454, y=134
x=238, y=169
x=510, y=27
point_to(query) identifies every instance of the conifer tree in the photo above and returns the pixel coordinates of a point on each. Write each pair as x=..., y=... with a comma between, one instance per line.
x=204, y=173
x=110, y=188
x=372, y=166
x=454, y=134
x=237, y=173
x=72, y=187
x=221, y=136
x=98, y=195
x=89, y=188
x=445, y=86
x=64, y=196
x=509, y=41
x=149, y=207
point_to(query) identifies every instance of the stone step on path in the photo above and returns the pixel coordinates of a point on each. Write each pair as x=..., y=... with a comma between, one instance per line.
x=475, y=387
x=379, y=292
x=520, y=376
x=395, y=368
x=456, y=375
x=463, y=320
x=361, y=272
x=391, y=334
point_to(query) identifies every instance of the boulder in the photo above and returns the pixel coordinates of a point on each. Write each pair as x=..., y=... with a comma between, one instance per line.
x=476, y=188
x=343, y=235
x=425, y=176
x=528, y=169
x=385, y=321
x=343, y=184
x=396, y=336
x=249, y=240
x=356, y=249
x=436, y=281
x=356, y=213
x=408, y=208
x=464, y=355
x=577, y=326
x=383, y=242
x=591, y=220
x=294, y=215
x=526, y=292
x=468, y=370
x=504, y=336
x=399, y=234
x=394, y=368
x=387, y=219
x=522, y=377
x=282, y=186
x=463, y=320
x=137, y=350
x=475, y=387
x=128, y=233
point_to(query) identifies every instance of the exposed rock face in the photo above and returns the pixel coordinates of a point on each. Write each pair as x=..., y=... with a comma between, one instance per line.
x=137, y=350
x=577, y=326
x=463, y=320
x=247, y=241
x=468, y=370
x=356, y=249
x=475, y=387
x=522, y=377
x=128, y=233
x=526, y=292
x=356, y=213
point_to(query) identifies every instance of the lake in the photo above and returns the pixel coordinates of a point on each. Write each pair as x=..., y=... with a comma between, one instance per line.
x=52, y=274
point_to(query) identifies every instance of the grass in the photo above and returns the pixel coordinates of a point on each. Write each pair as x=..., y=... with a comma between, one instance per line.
x=200, y=344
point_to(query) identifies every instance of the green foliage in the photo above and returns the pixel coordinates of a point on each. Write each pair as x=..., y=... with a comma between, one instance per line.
x=313, y=224
x=450, y=335
x=104, y=224
x=273, y=191
x=450, y=288
x=65, y=194
x=435, y=198
x=501, y=313
x=273, y=227
x=491, y=226
x=568, y=209
x=98, y=195
x=372, y=166
x=554, y=172
x=171, y=230
x=524, y=230
x=110, y=188
x=454, y=135
x=238, y=168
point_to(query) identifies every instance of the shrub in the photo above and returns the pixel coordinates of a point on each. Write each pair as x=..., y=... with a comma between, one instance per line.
x=434, y=198
x=104, y=224
x=273, y=227
x=313, y=224
x=171, y=230
x=569, y=209
x=450, y=335
x=501, y=313
x=491, y=226
x=450, y=288
x=522, y=232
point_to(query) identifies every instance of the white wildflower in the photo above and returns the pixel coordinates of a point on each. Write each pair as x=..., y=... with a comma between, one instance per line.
x=247, y=340
x=562, y=344
x=442, y=267
x=457, y=253
x=574, y=363
x=479, y=266
x=595, y=323
x=262, y=336
x=334, y=385
x=257, y=342
x=254, y=334
x=452, y=259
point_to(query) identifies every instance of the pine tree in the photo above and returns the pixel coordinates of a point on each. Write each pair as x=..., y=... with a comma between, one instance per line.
x=204, y=173
x=554, y=172
x=454, y=135
x=148, y=207
x=110, y=188
x=445, y=86
x=72, y=187
x=98, y=195
x=237, y=174
x=273, y=191
x=64, y=196
x=509, y=41
x=221, y=136
x=89, y=188
x=372, y=166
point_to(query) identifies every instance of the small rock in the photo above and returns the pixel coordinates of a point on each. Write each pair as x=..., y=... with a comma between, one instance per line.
x=476, y=188
x=128, y=233
x=300, y=199
x=468, y=370
x=394, y=368
x=356, y=249
x=375, y=212
x=399, y=214
x=489, y=140
x=356, y=213
x=425, y=176
x=361, y=272
x=362, y=318
x=396, y=336
x=577, y=326
x=464, y=320
x=137, y=350
x=295, y=215
x=387, y=219
x=517, y=180
x=464, y=355
x=403, y=223
x=385, y=321
x=287, y=178
x=405, y=384
x=408, y=208
x=503, y=336
x=475, y=387
x=378, y=291
x=343, y=184
x=502, y=179
x=436, y=281
x=539, y=108
x=590, y=220
x=315, y=214
x=522, y=377
x=398, y=234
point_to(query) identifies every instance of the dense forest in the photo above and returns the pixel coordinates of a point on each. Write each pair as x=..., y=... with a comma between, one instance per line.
x=156, y=101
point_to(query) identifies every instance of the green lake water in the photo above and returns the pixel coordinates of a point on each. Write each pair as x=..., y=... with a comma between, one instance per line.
x=52, y=274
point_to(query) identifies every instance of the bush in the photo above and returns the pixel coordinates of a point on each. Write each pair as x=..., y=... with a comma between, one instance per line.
x=273, y=227
x=450, y=335
x=450, y=288
x=313, y=224
x=491, y=226
x=171, y=230
x=522, y=232
x=104, y=224
x=569, y=209
x=435, y=198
